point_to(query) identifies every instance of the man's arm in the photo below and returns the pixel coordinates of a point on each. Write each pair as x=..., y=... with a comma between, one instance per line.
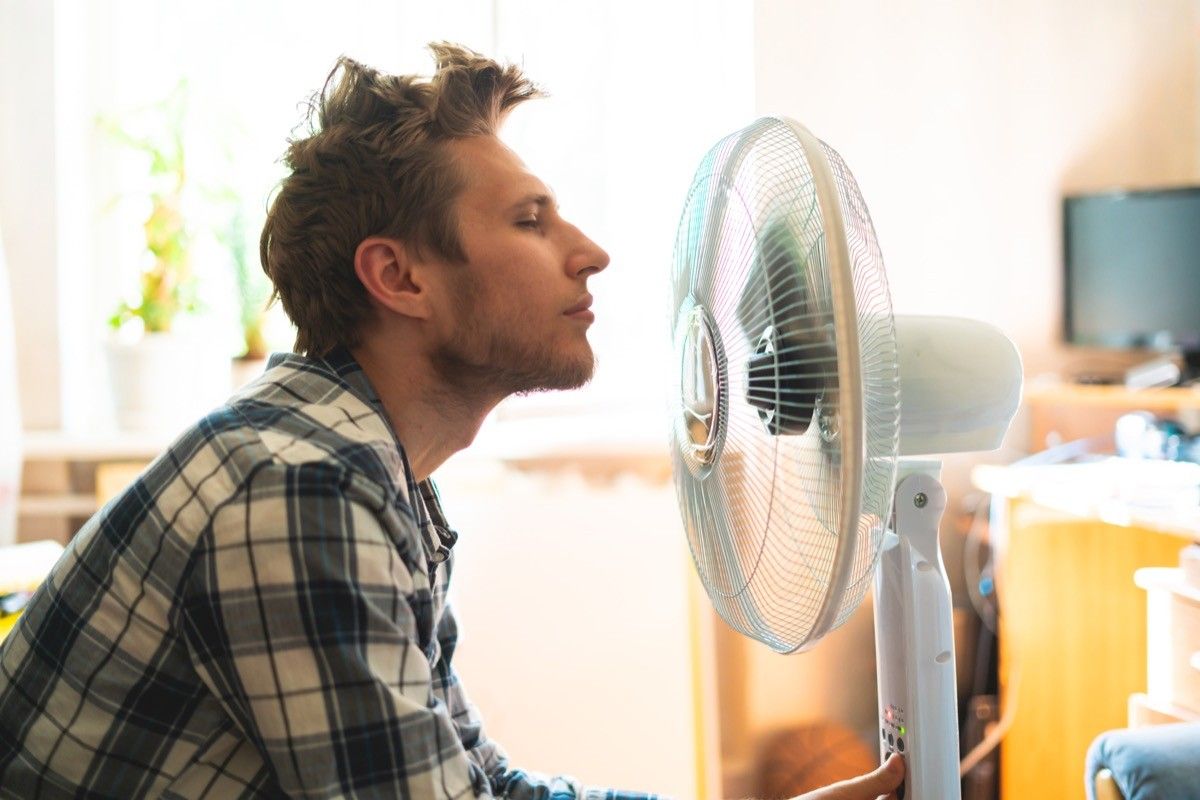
x=310, y=617
x=307, y=619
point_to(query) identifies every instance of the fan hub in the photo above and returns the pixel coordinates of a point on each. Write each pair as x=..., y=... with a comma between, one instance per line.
x=702, y=389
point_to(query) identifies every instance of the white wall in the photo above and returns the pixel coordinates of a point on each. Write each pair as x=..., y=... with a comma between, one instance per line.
x=963, y=124
x=572, y=599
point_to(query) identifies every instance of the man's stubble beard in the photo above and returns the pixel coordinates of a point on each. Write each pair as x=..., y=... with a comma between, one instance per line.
x=495, y=359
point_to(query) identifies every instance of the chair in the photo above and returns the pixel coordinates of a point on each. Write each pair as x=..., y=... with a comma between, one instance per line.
x=1158, y=755
x=1159, y=762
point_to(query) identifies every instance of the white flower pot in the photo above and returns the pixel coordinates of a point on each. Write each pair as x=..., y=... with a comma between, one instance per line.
x=164, y=382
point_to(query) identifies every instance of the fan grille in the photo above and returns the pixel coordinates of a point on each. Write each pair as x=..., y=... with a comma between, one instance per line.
x=779, y=549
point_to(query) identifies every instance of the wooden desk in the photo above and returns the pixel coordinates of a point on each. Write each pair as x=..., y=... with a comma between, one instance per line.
x=1073, y=624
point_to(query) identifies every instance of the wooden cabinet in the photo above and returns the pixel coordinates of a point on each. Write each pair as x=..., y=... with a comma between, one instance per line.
x=1073, y=623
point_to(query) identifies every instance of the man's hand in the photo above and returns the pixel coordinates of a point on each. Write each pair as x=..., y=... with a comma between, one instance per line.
x=880, y=783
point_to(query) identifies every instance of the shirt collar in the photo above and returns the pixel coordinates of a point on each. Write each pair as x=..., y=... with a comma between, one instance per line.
x=436, y=534
x=341, y=363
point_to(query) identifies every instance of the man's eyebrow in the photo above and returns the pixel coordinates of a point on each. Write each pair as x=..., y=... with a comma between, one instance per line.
x=540, y=199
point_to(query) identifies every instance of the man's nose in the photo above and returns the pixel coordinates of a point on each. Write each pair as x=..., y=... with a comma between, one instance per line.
x=589, y=257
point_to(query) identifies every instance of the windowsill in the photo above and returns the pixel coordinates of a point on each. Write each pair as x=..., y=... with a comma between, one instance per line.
x=598, y=445
x=112, y=445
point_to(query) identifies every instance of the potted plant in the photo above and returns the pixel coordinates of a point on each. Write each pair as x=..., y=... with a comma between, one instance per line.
x=254, y=291
x=163, y=377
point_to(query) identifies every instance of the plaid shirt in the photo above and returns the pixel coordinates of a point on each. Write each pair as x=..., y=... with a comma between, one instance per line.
x=261, y=614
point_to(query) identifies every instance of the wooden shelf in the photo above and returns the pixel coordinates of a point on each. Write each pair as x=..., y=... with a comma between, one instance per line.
x=66, y=476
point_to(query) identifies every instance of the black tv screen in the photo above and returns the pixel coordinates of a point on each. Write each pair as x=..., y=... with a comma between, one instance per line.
x=1132, y=276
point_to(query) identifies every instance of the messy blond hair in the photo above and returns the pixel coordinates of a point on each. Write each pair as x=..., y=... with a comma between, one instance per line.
x=374, y=164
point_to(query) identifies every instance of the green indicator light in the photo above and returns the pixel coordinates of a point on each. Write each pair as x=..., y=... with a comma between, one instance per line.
x=902, y=730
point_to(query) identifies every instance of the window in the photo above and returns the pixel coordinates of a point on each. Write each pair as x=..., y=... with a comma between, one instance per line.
x=638, y=92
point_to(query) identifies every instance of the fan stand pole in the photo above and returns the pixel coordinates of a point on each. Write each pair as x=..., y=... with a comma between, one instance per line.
x=914, y=641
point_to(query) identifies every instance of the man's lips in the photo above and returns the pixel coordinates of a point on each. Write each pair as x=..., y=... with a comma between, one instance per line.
x=583, y=305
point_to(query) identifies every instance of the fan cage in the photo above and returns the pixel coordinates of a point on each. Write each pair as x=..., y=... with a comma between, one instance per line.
x=880, y=380
x=768, y=523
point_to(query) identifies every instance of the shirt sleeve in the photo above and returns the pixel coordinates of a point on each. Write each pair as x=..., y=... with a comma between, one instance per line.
x=309, y=615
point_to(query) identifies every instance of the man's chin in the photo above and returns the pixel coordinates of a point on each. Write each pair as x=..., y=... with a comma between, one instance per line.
x=513, y=373
x=562, y=379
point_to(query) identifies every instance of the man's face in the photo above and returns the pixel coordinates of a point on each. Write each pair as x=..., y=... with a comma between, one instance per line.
x=516, y=310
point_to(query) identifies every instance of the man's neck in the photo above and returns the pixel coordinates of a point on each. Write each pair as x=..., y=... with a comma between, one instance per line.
x=432, y=420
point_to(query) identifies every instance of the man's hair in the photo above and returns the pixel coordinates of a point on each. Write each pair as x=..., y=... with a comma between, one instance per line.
x=374, y=164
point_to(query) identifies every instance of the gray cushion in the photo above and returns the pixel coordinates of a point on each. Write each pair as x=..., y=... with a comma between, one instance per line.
x=1158, y=762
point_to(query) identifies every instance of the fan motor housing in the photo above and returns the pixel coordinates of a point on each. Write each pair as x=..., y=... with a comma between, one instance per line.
x=787, y=396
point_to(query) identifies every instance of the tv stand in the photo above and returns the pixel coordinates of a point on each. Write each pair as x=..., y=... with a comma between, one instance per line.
x=1191, y=366
x=1067, y=412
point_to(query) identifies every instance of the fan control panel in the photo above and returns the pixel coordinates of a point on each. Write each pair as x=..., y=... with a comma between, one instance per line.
x=893, y=730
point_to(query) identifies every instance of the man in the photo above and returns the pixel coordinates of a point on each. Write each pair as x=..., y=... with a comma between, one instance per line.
x=263, y=613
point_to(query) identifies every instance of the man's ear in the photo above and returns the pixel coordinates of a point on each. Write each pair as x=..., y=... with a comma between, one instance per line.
x=392, y=276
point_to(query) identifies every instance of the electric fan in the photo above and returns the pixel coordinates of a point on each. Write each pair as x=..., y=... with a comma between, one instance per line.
x=797, y=393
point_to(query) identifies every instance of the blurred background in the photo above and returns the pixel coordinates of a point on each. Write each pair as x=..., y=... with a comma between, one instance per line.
x=139, y=146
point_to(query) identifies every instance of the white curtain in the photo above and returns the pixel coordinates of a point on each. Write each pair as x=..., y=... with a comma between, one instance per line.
x=10, y=415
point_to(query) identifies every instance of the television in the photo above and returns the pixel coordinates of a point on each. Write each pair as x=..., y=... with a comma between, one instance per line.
x=1132, y=271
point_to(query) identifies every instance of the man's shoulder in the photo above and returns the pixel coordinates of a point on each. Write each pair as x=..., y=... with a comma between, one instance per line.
x=296, y=417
